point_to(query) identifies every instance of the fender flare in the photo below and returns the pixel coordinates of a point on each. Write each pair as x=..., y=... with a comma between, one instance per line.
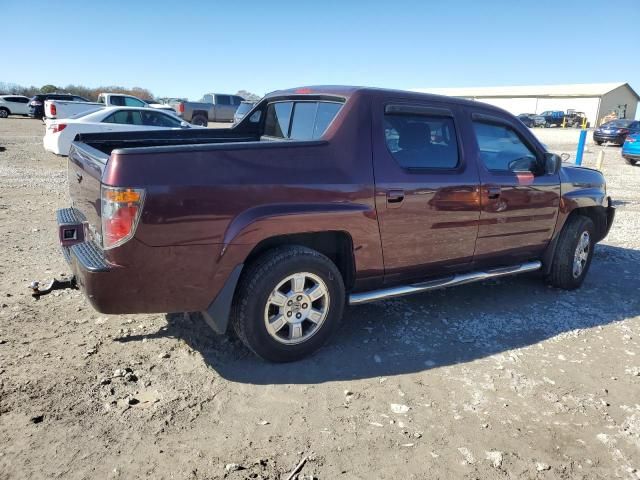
x=246, y=230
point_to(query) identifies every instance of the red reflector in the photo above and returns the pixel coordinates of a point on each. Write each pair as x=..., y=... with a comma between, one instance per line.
x=181, y=107
x=58, y=127
x=120, y=224
x=525, y=178
x=303, y=90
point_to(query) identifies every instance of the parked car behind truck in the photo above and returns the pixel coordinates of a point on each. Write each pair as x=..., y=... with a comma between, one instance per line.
x=36, y=105
x=59, y=108
x=213, y=107
x=274, y=225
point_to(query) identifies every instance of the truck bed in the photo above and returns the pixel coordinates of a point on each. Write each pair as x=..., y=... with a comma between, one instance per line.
x=107, y=142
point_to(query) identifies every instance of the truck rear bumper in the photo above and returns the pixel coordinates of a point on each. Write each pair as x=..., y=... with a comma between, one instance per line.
x=144, y=279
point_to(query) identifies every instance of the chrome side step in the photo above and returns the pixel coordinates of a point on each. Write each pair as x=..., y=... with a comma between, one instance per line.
x=460, y=279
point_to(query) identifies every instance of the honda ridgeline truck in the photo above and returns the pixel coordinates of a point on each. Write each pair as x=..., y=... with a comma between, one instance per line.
x=324, y=196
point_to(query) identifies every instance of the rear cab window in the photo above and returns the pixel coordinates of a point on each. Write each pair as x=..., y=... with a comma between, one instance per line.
x=421, y=139
x=299, y=119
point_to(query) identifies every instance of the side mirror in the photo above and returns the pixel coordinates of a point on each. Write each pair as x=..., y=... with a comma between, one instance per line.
x=552, y=163
x=565, y=156
x=184, y=124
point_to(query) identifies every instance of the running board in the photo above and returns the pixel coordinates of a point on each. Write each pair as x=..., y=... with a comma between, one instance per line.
x=460, y=279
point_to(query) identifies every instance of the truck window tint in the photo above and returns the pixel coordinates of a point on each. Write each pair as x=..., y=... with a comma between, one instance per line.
x=223, y=100
x=308, y=120
x=277, y=120
x=502, y=150
x=117, y=101
x=304, y=118
x=326, y=113
x=418, y=141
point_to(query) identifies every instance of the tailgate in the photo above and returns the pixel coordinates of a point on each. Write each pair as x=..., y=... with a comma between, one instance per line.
x=85, y=168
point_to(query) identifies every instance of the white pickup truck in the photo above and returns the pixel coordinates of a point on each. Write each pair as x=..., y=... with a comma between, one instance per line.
x=57, y=109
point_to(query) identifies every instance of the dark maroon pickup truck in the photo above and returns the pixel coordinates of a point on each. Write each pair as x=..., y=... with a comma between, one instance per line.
x=322, y=196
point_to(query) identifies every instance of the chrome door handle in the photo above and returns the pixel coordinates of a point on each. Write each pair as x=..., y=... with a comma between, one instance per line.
x=395, y=198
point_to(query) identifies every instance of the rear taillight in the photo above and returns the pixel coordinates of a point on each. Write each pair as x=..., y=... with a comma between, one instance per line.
x=121, y=209
x=631, y=139
x=181, y=107
x=52, y=109
x=58, y=127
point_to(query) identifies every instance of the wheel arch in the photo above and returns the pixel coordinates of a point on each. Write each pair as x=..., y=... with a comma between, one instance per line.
x=599, y=215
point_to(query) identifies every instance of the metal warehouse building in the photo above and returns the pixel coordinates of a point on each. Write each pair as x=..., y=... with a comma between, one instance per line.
x=594, y=99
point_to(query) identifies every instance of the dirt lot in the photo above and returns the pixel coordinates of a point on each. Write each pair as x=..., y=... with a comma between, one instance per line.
x=504, y=379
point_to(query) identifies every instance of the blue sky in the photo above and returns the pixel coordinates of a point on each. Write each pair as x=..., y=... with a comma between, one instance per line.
x=187, y=48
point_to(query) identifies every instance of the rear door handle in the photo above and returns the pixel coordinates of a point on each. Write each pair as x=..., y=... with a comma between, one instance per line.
x=395, y=198
x=493, y=192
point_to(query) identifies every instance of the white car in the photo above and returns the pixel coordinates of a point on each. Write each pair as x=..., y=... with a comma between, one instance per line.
x=13, y=105
x=60, y=133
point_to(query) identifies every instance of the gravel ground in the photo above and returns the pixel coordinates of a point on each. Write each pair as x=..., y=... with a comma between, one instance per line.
x=503, y=379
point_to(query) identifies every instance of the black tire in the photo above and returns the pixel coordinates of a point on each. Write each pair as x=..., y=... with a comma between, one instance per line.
x=200, y=120
x=630, y=161
x=597, y=142
x=4, y=113
x=562, y=273
x=254, y=291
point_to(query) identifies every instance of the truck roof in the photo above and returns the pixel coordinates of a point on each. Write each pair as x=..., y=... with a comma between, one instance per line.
x=346, y=91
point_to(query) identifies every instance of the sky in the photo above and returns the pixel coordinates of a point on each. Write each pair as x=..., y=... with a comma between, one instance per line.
x=185, y=48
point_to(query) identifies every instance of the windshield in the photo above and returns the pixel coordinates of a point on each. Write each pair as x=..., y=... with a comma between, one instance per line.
x=244, y=107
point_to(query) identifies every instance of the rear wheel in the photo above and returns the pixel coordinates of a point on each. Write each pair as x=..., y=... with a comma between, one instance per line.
x=4, y=113
x=630, y=161
x=199, y=120
x=598, y=142
x=573, y=253
x=288, y=303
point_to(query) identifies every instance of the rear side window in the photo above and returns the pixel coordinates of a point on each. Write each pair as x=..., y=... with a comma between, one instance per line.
x=299, y=120
x=117, y=101
x=502, y=150
x=419, y=141
x=124, y=117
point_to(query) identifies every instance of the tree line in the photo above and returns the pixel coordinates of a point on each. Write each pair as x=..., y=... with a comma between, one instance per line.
x=91, y=93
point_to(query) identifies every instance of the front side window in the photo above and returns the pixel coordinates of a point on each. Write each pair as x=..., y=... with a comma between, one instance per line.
x=420, y=141
x=299, y=120
x=502, y=150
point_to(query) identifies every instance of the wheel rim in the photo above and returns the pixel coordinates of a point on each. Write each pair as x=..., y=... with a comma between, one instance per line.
x=296, y=308
x=3, y=114
x=581, y=254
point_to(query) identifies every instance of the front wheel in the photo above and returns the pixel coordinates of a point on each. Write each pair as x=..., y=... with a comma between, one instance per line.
x=630, y=161
x=573, y=253
x=288, y=303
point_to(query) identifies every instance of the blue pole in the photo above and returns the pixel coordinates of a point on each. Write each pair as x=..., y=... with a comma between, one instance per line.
x=581, y=142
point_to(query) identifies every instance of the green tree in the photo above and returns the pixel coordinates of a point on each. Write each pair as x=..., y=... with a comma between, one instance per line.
x=49, y=89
